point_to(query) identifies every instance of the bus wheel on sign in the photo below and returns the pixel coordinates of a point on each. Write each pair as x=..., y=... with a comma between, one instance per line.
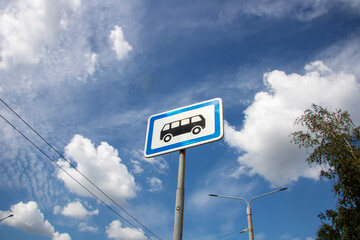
x=196, y=130
x=167, y=137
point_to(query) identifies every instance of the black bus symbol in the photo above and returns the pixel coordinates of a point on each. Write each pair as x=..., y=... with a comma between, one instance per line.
x=192, y=124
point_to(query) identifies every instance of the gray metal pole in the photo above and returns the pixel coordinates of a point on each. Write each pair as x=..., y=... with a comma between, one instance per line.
x=250, y=227
x=179, y=205
x=248, y=209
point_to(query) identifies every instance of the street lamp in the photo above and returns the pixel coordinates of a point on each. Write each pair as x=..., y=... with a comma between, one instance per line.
x=248, y=209
x=11, y=215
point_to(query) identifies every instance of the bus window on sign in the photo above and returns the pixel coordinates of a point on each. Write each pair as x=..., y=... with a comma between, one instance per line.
x=192, y=124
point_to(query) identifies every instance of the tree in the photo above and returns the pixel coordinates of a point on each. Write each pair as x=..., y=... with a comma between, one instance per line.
x=332, y=141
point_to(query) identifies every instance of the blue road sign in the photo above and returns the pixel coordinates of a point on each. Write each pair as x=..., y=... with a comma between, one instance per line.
x=184, y=127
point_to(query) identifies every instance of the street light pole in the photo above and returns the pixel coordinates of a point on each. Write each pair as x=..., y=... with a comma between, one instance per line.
x=248, y=209
x=250, y=226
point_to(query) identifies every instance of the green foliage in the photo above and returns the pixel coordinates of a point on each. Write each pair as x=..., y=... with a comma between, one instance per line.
x=333, y=142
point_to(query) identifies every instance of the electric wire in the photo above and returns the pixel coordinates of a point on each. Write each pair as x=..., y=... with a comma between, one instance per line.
x=77, y=171
x=23, y=135
x=91, y=182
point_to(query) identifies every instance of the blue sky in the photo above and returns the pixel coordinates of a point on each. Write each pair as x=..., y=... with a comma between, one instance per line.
x=87, y=75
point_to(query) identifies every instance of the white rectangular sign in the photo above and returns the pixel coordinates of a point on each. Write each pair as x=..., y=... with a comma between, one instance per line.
x=184, y=127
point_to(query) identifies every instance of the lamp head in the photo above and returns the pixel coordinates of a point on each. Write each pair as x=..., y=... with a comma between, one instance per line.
x=213, y=195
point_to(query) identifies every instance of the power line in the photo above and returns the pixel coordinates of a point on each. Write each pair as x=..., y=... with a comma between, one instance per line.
x=91, y=182
x=23, y=135
x=77, y=171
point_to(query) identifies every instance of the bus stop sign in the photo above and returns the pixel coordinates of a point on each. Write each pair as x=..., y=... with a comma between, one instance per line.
x=184, y=127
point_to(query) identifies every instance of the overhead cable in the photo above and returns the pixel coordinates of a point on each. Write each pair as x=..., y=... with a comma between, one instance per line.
x=91, y=182
x=76, y=170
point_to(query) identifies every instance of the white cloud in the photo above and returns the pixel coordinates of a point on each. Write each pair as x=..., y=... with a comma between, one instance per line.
x=28, y=217
x=155, y=184
x=92, y=62
x=77, y=210
x=83, y=227
x=26, y=27
x=119, y=45
x=117, y=232
x=63, y=236
x=269, y=120
x=137, y=167
x=102, y=166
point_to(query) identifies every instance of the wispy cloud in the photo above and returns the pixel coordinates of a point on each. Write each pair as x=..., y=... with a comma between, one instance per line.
x=301, y=10
x=155, y=184
x=83, y=227
x=26, y=170
x=159, y=163
x=137, y=167
x=344, y=55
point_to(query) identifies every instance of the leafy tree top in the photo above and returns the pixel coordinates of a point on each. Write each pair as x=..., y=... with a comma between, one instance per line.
x=332, y=141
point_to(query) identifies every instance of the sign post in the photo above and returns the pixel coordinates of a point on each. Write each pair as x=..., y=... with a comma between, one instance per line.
x=177, y=130
x=180, y=193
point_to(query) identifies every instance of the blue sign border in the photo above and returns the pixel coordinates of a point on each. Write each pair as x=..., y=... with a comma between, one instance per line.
x=217, y=135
